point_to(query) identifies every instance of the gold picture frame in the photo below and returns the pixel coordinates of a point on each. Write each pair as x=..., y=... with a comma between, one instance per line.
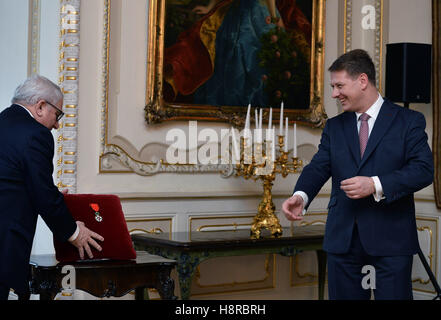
x=158, y=110
x=436, y=87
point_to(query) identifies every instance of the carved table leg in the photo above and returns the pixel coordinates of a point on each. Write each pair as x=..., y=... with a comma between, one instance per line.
x=140, y=293
x=110, y=290
x=44, y=284
x=186, y=267
x=166, y=288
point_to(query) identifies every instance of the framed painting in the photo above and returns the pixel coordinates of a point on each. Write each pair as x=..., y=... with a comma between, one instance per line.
x=209, y=59
x=436, y=87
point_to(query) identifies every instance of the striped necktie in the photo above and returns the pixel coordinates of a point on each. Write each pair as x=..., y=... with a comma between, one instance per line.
x=363, y=135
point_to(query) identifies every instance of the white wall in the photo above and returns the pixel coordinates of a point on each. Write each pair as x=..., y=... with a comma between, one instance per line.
x=14, y=52
x=49, y=39
x=411, y=21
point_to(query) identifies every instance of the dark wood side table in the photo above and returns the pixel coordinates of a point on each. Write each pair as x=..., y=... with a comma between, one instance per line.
x=104, y=278
x=189, y=249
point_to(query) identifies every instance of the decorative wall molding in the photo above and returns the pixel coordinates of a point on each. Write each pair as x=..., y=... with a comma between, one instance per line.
x=34, y=37
x=119, y=156
x=264, y=265
x=303, y=266
x=260, y=273
x=149, y=225
x=66, y=144
x=114, y=152
x=112, y=156
x=429, y=227
x=375, y=48
x=378, y=56
x=347, y=43
x=105, y=82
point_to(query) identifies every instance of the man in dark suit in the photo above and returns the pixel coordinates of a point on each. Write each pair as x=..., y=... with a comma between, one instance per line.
x=26, y=184
x=377, y=155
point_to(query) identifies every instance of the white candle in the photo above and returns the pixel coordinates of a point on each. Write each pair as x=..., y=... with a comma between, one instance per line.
x=256, y=118
x=260, y=118
x=281, y=120
x=258, y=130
x=247, y=119
x=286, y=134
x=235, y=148
x=270, y=145
x=247, y=132
x=294, y=150
x=270, y=118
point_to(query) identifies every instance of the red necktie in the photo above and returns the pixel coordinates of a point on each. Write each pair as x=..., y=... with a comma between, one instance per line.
x=363, y=135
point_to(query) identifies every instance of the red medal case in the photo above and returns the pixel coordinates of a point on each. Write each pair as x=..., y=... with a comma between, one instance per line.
x=102, y=214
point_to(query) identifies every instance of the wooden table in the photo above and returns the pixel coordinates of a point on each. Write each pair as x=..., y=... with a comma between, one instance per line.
x=190, y=249
x=104, y=278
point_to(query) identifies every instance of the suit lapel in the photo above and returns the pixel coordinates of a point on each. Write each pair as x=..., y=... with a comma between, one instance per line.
x=382, y=124
x=351, y=134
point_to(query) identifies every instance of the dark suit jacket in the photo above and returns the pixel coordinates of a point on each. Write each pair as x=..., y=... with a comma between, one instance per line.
x=26, y=190
x=397, y=152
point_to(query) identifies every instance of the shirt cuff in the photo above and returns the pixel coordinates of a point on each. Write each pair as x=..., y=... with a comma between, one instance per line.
x=75, y=235
x=378, y=194
x=305, y=199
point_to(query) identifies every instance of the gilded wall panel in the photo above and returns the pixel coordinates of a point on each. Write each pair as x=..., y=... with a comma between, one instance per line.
x=231, y=274
x=364, y=29
x=149, y=225
x=428, y=238
x=303, y=266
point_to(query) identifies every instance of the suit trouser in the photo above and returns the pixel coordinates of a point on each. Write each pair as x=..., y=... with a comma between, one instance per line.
x=389, y=277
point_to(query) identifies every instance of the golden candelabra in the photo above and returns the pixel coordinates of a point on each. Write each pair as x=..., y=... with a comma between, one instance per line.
x=255, y=167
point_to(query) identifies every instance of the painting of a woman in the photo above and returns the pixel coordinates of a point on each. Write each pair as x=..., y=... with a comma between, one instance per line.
x=218, y=59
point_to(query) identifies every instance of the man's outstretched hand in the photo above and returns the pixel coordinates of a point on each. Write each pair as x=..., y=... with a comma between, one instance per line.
x=293, y=208
x=85, y=239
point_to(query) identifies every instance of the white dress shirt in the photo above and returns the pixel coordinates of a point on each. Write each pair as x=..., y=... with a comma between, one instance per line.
x=77, y=231
x=373, y=112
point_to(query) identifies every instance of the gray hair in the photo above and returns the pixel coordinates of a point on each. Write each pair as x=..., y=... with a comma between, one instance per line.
x=36, y=88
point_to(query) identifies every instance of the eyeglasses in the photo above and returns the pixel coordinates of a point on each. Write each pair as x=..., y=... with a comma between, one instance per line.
x=60, y=113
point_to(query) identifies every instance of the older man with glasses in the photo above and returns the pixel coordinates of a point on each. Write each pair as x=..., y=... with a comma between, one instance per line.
x=59, y=113
x=26, y=184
